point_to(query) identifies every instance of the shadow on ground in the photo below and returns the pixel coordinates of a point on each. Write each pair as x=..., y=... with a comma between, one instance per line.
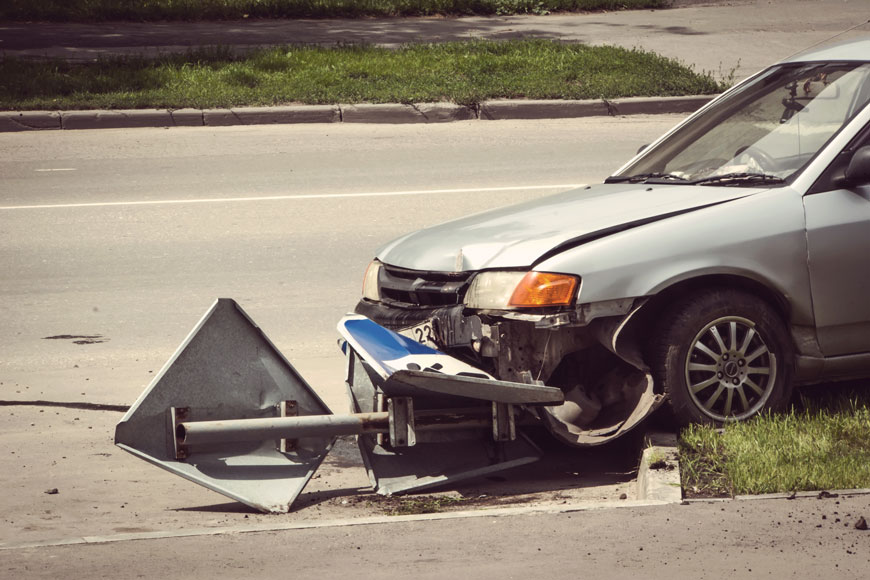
x=68, y=39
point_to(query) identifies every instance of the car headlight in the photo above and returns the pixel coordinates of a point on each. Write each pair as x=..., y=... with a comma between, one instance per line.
x=511, y=290
x=370, y=281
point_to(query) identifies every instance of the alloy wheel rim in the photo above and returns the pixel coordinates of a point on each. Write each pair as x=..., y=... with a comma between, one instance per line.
x=730, y=371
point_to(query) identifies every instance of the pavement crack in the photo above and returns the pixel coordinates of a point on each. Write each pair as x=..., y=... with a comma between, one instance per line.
x=416, y=108
x=67, y=405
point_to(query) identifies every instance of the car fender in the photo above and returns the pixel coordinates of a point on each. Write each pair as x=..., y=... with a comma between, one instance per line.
x=760, y=237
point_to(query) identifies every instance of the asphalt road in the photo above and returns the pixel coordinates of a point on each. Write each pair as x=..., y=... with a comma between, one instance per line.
x=130, y=235
x=746, y=539
x=126, y=237
x=115, y=242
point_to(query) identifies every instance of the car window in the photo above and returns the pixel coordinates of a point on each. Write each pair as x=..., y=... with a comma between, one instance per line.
x=772, y=126
x=813, y=111
x=830, y=178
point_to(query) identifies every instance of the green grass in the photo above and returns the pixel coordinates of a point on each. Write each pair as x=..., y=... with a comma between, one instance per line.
x=461, y=72
x=95, y=10
x=824, y=446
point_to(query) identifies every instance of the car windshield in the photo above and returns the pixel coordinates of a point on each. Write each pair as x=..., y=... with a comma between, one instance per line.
x=762, y=133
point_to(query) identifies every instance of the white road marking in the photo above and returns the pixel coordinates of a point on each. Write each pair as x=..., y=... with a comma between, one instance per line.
x=295, y=197
x=55, y=169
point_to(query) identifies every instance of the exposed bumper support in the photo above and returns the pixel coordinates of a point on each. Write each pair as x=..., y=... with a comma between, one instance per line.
x=631, y=377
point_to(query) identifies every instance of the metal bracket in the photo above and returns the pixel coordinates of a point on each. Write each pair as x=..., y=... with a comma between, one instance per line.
x=178, y=415
x=503, y=422
x=380, y=405
x=402, y=430
x=288, y=409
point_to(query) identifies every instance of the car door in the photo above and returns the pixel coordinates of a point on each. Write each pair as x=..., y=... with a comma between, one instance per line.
x=838, y=243
x=838, y=239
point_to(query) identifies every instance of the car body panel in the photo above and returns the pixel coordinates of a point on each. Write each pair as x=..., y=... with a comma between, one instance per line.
x=517, y=236
x=840, y=279
x=718, y=240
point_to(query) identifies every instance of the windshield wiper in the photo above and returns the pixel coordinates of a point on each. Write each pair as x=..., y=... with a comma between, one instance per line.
x=738, y=179
x=644, y=178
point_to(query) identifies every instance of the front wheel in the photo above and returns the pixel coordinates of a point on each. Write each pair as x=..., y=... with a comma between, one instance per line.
x=722, y=356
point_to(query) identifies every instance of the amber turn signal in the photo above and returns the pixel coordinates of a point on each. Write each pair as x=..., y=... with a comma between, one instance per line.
x=544, y=289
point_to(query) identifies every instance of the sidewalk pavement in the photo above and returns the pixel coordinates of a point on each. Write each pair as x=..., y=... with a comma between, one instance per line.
x=731, y=40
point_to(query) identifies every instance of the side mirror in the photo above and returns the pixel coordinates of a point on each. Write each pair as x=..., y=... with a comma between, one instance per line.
x=858, y=171
x=642, y=147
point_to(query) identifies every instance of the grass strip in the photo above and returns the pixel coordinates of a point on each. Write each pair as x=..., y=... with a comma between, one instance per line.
x=462, y=72
x=810, y=450
x=97, y=10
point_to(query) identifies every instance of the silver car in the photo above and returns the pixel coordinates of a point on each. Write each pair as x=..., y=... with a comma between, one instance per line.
x=724, y=263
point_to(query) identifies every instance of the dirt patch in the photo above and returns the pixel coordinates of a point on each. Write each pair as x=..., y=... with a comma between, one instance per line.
x=661, y=464
x=432, y=504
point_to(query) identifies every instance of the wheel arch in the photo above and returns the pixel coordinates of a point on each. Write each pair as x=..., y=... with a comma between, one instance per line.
x=669, y=345
x=642, y=324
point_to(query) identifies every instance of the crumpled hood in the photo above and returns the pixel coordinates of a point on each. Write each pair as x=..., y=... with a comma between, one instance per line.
x=516, y=236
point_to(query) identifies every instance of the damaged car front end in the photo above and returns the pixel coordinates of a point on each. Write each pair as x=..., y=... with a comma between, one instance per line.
x=687, y=276
x=509, y=314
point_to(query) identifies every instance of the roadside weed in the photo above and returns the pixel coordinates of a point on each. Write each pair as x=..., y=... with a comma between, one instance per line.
x=811, y=449
x=462, y=72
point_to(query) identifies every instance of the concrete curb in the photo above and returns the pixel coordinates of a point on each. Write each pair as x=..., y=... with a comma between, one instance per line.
x=658, y=105
x=819, y=495
x=827, y=494
x=513, y=109
x=658, y=477
x=29, y=121
x=390, y=113
x=271, y=115
x=396, y=113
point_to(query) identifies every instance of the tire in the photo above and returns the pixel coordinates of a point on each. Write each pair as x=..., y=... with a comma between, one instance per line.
x=722, y=356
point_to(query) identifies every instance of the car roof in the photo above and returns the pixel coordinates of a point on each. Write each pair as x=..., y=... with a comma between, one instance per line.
x=852, y=49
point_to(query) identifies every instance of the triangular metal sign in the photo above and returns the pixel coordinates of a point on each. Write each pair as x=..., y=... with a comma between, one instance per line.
x=228, y=369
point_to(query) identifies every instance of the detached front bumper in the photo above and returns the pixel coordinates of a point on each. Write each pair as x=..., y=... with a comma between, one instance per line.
x=584, y=352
